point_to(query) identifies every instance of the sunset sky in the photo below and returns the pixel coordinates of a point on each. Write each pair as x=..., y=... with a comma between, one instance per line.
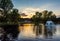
x=29, y=7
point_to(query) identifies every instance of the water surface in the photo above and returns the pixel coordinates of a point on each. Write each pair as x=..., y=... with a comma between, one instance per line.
x=28, y=31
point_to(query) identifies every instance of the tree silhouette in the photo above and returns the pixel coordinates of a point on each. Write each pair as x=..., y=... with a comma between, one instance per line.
x=13, y=16
x=6, y=5
x=36, y=18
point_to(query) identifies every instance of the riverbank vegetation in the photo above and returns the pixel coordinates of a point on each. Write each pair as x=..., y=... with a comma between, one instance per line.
x=9, y=17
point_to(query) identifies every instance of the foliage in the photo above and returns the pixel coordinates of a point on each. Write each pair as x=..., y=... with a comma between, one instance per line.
x=43, y=16
x=13, y=16
x=6, y=5
x=36, y=18
x=8, y=15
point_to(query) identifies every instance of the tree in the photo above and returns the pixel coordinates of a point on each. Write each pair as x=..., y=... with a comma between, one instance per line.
x=6, y=5
x=49, y=14
x=1, y=15
x=45, y=12
x=38, y=14
x=36, y=18
x=53, y=16
x=13, y=16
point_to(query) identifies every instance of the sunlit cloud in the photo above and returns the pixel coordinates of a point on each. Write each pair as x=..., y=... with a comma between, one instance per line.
x=57, y=12
x=30, y=11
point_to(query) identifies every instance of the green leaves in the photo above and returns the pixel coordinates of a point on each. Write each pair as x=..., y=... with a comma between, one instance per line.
x=43, y=16
x=13, y=16
x=6, y=5
x=36, y=18
x=9, y=16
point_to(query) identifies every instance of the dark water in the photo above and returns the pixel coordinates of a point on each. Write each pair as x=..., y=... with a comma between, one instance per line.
x=29, y=31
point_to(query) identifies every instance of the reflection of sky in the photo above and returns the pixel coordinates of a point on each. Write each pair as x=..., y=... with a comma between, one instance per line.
x=53, y=5
x=58, y=29
x=26, y=31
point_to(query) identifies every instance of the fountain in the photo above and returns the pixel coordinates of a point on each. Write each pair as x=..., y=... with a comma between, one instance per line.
x=50, y=28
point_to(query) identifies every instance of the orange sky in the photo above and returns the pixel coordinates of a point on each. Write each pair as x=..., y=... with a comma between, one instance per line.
x=31, y=11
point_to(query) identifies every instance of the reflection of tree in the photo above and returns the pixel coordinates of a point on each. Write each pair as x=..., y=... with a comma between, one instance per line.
x=2, y=34
x=37, y=29
x=42, y=17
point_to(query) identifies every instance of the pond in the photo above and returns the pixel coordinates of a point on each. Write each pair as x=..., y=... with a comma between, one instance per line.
x=33, y=31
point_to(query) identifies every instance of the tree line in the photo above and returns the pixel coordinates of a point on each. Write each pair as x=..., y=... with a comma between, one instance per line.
x=43, y=16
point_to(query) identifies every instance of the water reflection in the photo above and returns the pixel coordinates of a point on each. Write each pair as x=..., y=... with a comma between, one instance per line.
x=2, y=34
x=33, y=31
x=58, y=30
x=38, y=30
x=26, y=31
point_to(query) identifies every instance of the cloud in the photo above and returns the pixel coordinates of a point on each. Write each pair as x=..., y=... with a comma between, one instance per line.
x=57, y=12
x=30, y=11
x=46, y=7
x=33, y=9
